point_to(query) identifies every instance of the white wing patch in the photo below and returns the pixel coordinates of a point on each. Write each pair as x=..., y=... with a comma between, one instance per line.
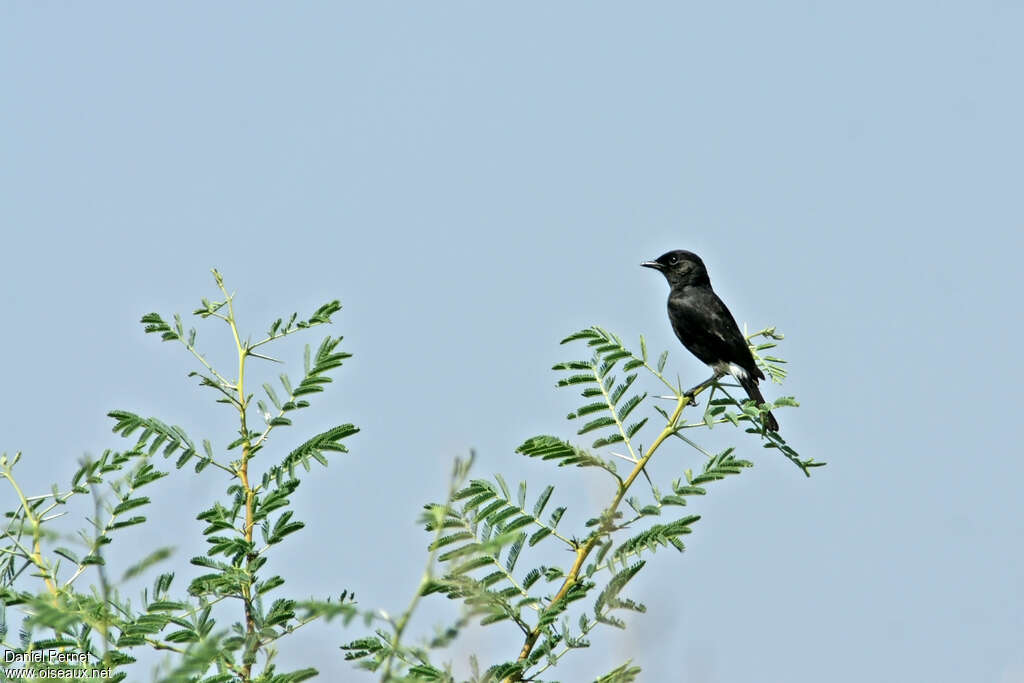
x=730, y=369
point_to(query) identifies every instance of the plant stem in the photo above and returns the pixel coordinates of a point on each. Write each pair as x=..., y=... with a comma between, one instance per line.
x=458, y=477
x=243, y=476
x=584, y=551
x=36, y=556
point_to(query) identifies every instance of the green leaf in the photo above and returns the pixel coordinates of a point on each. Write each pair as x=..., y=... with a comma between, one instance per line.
x=518, y=523
x=657, y=535
x=573, y=365
x=587, y=410
x=155, y=324
x=283, y=527
x=154, y=434
x=503, y=485
x=448, y=540
x=588, y=334
x=131, y=521
x=662, y=359
x=553, y=448
x=269, y=585
x=542, y=500
x=626, y=408
x=609, y=598
x=513, y=552
x=627, y=673
x=613, y=438
x=576, y=379
x=316, y=446
x=130, y=504
x=719, y=467
x=67, y=554
x=182, y=636
x=539, y=535
x=619, y=391
x=600, y=422
x=272, y=395
x=632, y=429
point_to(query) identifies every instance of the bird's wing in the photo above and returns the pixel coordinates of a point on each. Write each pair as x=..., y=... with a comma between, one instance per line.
x=706, y=327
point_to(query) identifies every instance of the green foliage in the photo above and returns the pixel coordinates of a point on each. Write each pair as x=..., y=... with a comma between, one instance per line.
x=616, y=400
x=484, y=533
x=563, y=452
x=501, y=553
x=224, y=623
x=623, y=674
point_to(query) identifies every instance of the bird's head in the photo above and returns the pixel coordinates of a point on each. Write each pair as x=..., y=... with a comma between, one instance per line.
x=680, y=268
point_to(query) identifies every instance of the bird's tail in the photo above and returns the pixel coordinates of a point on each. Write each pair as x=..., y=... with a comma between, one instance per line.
x=750, y=385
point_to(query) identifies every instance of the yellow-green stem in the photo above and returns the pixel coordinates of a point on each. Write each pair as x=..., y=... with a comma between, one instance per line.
x=36, y=556
x=243, y=474
x=584, y=551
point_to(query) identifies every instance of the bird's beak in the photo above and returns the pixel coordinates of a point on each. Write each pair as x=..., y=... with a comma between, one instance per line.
x=652, y=264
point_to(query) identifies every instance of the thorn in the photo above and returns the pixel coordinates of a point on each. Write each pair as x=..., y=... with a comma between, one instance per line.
x=648, y=477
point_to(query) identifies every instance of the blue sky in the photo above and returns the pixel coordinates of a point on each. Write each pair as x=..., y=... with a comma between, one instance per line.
x=474, y=182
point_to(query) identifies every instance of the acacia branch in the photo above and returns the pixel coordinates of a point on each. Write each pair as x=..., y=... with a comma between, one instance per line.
x=584, y=551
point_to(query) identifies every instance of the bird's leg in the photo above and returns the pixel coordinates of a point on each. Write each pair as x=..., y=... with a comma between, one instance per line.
x=692, y=393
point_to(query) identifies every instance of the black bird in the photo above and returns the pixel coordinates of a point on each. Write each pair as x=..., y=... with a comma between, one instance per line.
x=705, y=326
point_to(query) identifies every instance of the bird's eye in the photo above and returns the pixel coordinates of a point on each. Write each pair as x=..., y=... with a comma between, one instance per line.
x=673, y=260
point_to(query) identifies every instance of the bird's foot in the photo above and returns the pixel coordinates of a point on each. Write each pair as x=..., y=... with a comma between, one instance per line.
x=691, y=395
